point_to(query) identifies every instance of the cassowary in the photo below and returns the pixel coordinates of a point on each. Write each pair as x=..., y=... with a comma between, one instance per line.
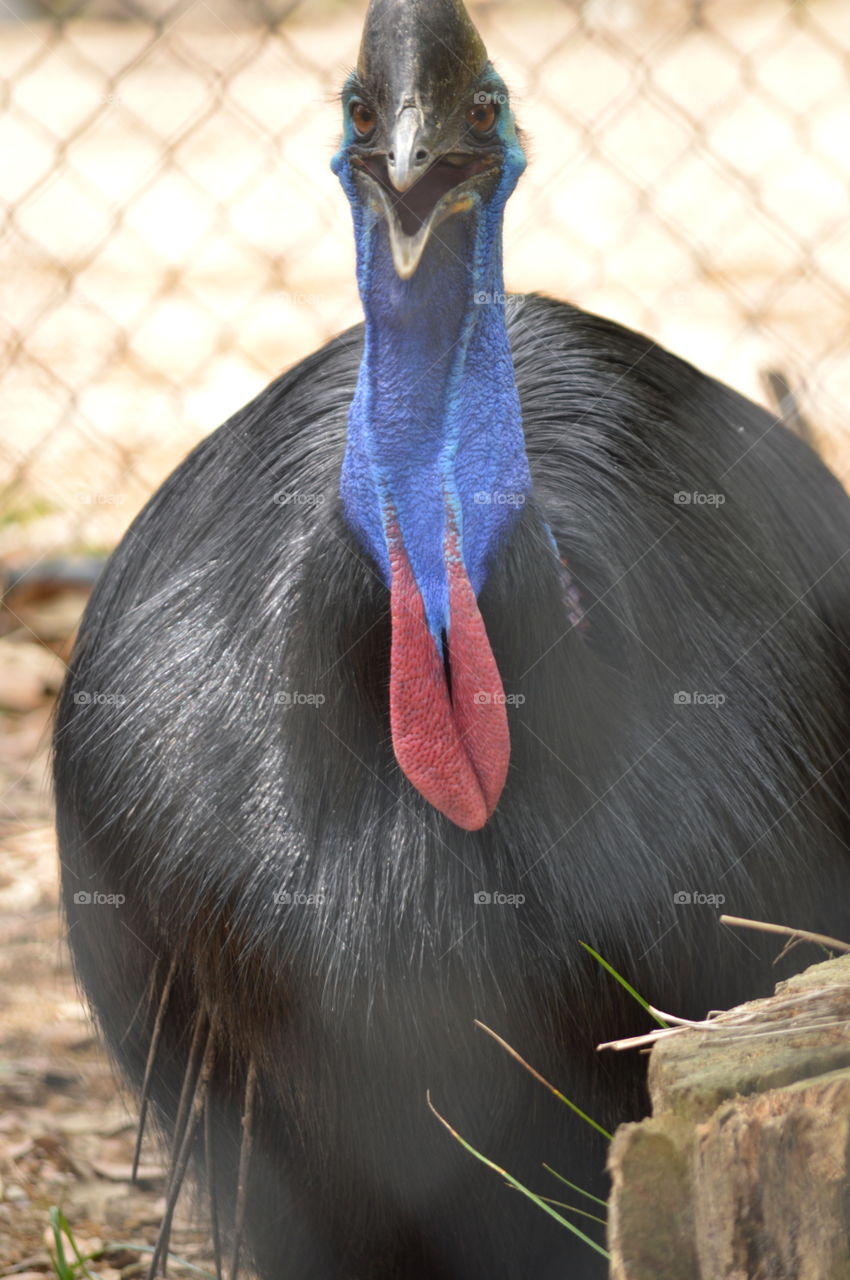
x=483, y=632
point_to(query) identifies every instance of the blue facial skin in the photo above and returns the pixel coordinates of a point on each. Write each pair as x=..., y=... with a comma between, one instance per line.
x=435, y=421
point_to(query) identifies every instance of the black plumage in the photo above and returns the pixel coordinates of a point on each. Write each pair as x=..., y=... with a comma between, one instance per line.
x=205, y=779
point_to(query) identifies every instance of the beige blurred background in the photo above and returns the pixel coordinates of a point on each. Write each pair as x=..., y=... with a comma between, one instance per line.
x=173, y=238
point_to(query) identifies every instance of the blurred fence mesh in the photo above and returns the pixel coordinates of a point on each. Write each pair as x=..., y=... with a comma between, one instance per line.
x=173, y=236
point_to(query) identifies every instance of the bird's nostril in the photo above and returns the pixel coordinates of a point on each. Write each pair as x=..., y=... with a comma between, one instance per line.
x=391, y=157
x=421, y=155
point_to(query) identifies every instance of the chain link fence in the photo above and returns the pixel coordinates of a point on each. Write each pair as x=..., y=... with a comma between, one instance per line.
x=173, y=237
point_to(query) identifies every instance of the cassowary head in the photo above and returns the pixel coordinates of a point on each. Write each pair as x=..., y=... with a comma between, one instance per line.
x=435, y=469
x=429, y=132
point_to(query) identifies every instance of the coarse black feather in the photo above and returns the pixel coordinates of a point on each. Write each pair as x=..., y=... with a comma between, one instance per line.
x=223, y=742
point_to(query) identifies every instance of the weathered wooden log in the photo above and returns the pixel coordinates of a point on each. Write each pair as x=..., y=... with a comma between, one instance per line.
x=743, y=1170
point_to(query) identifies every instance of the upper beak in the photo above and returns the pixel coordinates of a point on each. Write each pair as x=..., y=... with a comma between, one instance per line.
x=407, y=158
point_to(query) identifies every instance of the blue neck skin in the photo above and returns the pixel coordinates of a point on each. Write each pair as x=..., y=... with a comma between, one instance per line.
x=434, y=427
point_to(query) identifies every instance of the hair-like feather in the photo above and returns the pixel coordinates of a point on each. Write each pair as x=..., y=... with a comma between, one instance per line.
x=237, y=785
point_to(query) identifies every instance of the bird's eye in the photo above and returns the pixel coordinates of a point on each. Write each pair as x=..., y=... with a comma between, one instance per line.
x=363, y=118
x=482, y=116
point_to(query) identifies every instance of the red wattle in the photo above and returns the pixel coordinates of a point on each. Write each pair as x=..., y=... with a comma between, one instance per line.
x=478, y=697
x=454, y=749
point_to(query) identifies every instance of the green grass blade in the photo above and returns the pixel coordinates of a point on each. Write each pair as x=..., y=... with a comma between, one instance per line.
x=571, y=1208
x=60, y=1262
x=518, y=1185
x=627, y=986
x=573, y=1186
x=61, y=1229
x=537, y=1076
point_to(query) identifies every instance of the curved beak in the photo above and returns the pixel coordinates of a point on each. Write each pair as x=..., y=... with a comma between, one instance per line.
x=407, y=158
x=414, y=196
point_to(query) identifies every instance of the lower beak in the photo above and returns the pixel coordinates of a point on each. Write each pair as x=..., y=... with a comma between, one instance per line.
x=450, y=185
x=407, y=250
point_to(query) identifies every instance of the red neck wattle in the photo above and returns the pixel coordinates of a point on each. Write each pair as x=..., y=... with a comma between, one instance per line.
x=453, y=746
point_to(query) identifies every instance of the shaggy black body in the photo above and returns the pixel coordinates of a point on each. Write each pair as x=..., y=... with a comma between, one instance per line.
x=199, y=794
